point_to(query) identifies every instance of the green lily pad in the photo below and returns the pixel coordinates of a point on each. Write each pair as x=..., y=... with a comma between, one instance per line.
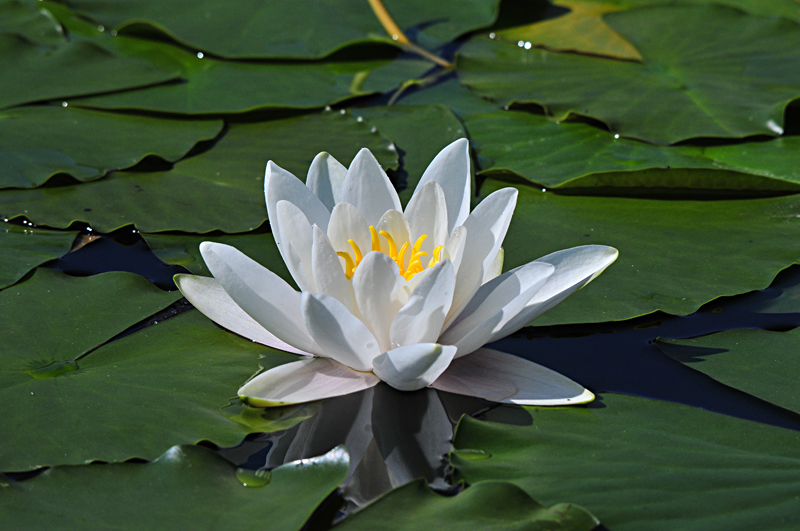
x=460, y=100
x=221, y=189
x=73, y=69
x=38, y=142
x=71, y=402
x=286, y=29
x=643, y=464
x=25, y=19
x=486, y=505
x=714, y=248
x=22, y=249
x=576, y=155
x=763, y=363
x=708, y=71
x=419, y=133
x=189, y=487
x=207, y=82
x=184, y=250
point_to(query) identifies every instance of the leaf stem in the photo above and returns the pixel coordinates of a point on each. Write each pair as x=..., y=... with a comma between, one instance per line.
x=397, y=34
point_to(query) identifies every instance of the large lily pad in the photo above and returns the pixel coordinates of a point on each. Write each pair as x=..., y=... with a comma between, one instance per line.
x=25, y=19
x=708, y=71
x=208, y=81
x=659, y=241
x=38, y=142
x=24, y=248
x=288, y=29
x=133, y=397
x=419, y=133
x=487, y=505
x=576, y=155
x=643, y=464
x=189, y=487
x=762, y=363
x=72, y=69
x=221, y=189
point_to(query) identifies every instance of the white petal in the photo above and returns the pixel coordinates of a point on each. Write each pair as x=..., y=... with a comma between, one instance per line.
x=575, y=268
x=295, y=244
x=339, y=333
x=206, y=294
x=451, y=169
x=486, y=229
x=326, y=178
x=421, y=319
x=379, y=294
x=454, y=248
x=501, y=377
x=495, y=304
x=347, y=223
x=496, y=268
x=427, y=214
x=368, y=188
x=304, y=381
x=265, y=296
x=279, y=185
x=395, y=223
x=415, y=366
x=329, y=277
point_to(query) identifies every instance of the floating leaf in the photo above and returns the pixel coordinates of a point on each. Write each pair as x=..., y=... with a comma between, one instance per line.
x=38, y=142
x=485, y=505
x=708, y=71
x=763, y=363
x=286, y=29
x=187, y=487
x=576, y=155
x=644, y=464
x=133, y=397
x=36, y=25
x=73, y=69
x=673, y=255
x=221, y=189
x=24, y=248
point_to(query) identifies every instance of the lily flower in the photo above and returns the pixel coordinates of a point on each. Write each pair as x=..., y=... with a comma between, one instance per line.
x=405, y=296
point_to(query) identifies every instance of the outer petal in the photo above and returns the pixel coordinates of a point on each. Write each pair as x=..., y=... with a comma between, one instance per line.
x=265, y=296
x=486, y=228
x=421, y=319
x=575, y=268
x=451, y=169
x=326, y=178
x=413, y=367
x=339, y=333
x=501, y=377
x=279, y=185
x=368, y=188
x=329, y=277
x=496, y=302
x=378, y=290
x=206, y=294
x=295, y=244
x=347, y=223
x=427, y=214
x=304, y=381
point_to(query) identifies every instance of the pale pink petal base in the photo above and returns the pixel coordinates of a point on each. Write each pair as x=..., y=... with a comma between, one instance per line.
x=304, y=381
x=501, y=377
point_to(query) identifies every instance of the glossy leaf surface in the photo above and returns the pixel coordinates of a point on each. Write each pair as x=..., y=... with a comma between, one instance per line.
x=24, y=248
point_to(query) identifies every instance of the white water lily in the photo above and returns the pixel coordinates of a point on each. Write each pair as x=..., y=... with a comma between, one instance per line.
x=407, y=296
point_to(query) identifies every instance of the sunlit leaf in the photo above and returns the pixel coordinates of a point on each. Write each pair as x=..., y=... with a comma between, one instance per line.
x=188, y=487
x=708, y=71
x=643, y=464
x=38, y=142
x=673, y=255
x=763, y=363
x=24, y=248
x=486, y=505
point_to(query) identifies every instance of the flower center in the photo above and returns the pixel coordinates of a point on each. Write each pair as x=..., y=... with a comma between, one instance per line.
x=414, y=260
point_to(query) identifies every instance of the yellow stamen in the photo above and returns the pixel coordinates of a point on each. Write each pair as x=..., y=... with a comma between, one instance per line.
x=402, y=255
x=350, y=266
x=418, y=244
x=376, y=242
x=356, y=251
x=437, y=256
x=392, y=246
